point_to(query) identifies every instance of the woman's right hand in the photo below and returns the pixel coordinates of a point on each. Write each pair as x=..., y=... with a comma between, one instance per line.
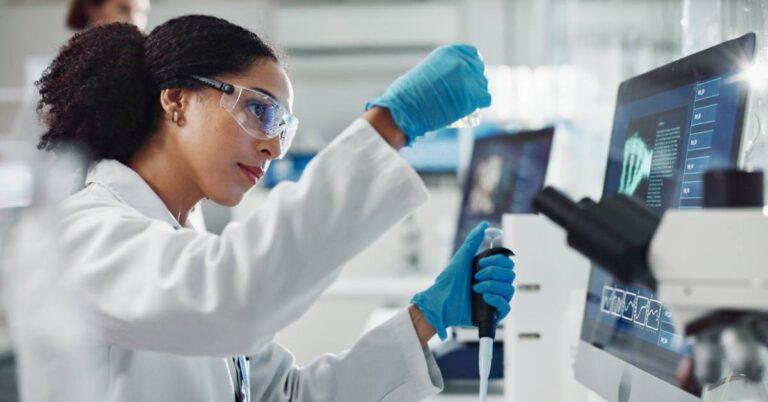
x=448, y=303
x=444, y=87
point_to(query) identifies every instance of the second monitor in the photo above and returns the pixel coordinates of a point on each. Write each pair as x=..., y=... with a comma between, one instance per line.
x=506, y=172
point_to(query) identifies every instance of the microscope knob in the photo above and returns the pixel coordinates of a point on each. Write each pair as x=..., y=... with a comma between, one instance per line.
x=733, y=189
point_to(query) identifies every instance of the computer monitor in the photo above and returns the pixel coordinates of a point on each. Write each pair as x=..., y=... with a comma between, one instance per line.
x=506, y=172
x=671, y=125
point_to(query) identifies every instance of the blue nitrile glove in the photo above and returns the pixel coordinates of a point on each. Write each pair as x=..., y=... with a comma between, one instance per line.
x=444, y=87
x=447, y=303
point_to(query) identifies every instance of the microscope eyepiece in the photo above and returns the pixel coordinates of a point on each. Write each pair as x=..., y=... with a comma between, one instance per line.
x=614, y=233
x=556, y=206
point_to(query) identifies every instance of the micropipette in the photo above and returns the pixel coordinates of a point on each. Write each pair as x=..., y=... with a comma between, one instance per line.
x=483, y=315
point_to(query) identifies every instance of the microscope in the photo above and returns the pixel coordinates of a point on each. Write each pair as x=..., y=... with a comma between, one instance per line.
x=709, y=266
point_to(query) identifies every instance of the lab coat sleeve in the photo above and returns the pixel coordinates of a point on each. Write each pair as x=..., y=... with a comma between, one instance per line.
x=386, y=364
x=184, y=292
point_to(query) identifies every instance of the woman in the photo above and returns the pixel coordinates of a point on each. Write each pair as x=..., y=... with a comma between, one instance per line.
x=199, y=108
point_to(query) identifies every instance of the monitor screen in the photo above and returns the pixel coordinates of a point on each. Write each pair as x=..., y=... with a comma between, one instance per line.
x=670, y=126
x=506, y=172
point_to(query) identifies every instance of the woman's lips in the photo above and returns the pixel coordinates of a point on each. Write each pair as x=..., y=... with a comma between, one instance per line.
x=253, y=173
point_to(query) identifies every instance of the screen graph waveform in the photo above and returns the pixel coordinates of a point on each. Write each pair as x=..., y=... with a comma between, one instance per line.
x=630, y=306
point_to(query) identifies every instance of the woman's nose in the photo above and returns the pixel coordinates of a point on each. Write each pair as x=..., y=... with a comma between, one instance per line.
x=269, y=147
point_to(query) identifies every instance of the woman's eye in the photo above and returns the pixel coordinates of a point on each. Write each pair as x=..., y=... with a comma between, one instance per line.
x=256, y=109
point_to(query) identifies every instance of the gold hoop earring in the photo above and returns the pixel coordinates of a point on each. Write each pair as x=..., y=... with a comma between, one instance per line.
x=175, y=116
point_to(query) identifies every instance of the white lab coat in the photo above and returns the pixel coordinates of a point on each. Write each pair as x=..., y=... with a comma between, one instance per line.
x=172, y=305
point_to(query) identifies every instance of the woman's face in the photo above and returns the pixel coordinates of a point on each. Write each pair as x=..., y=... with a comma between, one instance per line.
x=225, y=160
x=129, y=11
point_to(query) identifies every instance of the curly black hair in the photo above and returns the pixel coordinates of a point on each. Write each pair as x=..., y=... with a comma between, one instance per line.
x=101, y=94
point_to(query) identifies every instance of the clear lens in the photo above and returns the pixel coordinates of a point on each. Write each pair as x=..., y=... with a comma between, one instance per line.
x=261, y=116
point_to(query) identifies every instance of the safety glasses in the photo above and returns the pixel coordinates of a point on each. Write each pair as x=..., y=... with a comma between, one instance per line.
x=259, y=114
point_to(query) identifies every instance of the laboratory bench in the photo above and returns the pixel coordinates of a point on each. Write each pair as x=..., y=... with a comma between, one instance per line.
x=463, y=398
x=467, y=392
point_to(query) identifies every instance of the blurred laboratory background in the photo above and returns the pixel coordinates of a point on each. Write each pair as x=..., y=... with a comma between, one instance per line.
x=551, y=63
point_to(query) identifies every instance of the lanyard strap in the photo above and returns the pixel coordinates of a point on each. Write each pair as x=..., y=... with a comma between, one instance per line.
x=242, y=384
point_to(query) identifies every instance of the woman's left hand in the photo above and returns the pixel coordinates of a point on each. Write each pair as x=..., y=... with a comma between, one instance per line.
x=448, y=84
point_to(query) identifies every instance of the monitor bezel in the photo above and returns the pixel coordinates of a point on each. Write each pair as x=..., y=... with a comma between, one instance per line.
x=618, y=379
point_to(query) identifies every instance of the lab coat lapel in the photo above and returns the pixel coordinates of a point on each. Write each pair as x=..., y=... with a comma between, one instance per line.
x=128, y=186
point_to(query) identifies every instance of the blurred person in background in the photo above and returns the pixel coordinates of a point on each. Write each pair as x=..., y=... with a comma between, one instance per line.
x=81, y=14
x=84, y=14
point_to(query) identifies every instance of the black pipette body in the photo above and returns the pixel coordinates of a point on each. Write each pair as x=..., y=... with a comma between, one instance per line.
x=484, y=315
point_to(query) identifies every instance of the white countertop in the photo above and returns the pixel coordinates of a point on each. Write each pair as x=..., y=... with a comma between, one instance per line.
x=464, y=398
x=467, y=392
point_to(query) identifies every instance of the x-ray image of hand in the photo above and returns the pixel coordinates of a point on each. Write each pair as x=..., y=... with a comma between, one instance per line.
x=487, y=177
x=636, y=166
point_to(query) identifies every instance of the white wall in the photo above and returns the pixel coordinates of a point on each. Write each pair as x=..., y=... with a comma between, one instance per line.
x=27, y=31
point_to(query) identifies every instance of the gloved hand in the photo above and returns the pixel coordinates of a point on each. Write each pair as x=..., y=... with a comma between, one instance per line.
x=448, y=303
x=444, y=87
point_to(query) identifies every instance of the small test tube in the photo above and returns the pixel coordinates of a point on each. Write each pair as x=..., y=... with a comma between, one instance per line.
x=494, y=237
x=471, y=120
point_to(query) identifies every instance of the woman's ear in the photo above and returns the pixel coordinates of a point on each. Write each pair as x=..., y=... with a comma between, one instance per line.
x=174, y=102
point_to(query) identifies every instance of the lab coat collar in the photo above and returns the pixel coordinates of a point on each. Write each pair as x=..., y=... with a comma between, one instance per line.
x=131, y=189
